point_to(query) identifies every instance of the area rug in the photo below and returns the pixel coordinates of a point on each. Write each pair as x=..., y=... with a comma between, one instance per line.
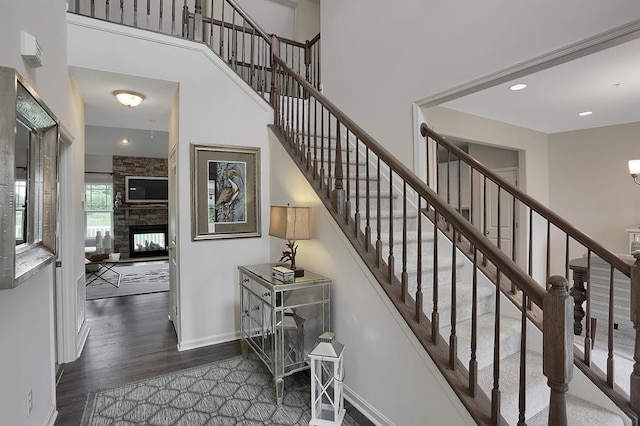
x=236, y=391
x=134, y=282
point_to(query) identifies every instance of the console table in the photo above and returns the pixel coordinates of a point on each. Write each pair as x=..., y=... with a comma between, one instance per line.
x=282, y=322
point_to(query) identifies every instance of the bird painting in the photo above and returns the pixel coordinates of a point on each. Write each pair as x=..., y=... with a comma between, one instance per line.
x=228, y=195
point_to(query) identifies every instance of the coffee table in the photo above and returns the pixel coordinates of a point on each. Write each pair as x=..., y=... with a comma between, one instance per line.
x=104, y=267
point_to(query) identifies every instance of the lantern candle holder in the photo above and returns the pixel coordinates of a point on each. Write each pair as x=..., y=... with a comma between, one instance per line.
x=327, y=374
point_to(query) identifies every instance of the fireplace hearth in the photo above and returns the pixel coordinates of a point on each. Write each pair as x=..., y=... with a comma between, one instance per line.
x=148, y=240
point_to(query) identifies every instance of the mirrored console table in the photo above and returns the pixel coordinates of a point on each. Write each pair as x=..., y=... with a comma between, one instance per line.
x=282, y=322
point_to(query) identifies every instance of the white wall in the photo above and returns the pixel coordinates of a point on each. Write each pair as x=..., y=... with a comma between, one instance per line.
x=590, y=183
x=378, y=60
x=274, y=17
x=216, y=108
x=26, y=313
x=307, y=19
x=388, y=373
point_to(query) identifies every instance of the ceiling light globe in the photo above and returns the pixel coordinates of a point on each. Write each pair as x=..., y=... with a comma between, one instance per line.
x=518, y=86
x=585, y=113
x=634, y=168
x=128, y=98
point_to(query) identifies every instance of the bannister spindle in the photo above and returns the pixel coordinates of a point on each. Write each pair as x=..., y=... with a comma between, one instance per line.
x=329, y=161
x=308, y=135
x=173, y=17
x=338, y=194
x=161, y=13
x=379, y=219
x=185, y=20
x=234, y=40
x=473, y=361
x=484, y=213
x=106, y=10
x=499, y=218
x=496, y=394
x=122, y=11
x=135, y=13
x=587, y=337
x=275, y=49
x=93, y=8
x=405, y=274
x=356, y=220
x=530, y=249
x=244, y=37
x=391, y=259
x=321, y=146
x=298, y=130
x=435, y=315
x=522, y=400
x=367, y=229
x=315, y=138
x=148, y=18
x=610, y=371
x=548, y=273
x=347, y=204
x=252, y=70
x=419, y=301
x=453, y=338
x=557, y=347
x=307, y=60
x=634, y=399
x=77, y=8
x=222, y=30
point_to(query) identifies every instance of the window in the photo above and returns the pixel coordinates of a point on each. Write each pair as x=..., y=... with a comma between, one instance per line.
x=21, y=196
x=98, y=209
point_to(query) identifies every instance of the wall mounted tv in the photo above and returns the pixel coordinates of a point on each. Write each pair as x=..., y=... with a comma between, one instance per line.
x=141, y=189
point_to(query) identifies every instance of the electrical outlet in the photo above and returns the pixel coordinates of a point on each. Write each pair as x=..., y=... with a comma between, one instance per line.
x=29, y=401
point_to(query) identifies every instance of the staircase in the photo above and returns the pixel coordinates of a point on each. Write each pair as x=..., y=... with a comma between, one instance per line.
x=476, y=310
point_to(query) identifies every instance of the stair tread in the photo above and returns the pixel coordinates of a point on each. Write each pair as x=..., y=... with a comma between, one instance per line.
x=509, y=339
x=580, y=412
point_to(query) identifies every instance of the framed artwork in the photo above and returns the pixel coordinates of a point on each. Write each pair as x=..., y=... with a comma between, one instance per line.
x=225, y=192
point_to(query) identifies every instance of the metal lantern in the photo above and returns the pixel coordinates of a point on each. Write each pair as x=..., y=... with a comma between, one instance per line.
x=327, y=373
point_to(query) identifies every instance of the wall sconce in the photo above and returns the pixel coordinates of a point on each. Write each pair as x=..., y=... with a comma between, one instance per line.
x=634, y=170
x=291, y=224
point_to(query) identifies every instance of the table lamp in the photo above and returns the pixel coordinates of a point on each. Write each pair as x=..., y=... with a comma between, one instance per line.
x=291, y=224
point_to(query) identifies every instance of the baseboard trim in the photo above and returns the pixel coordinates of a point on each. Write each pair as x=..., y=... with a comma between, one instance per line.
x=208, y=341
x=83, y=336
x=365, y=408
x=51, y=417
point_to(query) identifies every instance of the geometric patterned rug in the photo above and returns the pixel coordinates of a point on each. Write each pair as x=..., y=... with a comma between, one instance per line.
x=236, y=391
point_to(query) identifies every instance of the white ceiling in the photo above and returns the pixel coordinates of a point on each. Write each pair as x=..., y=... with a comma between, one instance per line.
x=606, y=83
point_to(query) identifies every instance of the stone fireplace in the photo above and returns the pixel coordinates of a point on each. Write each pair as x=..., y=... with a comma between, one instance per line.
x=148, y=240
x=133, y=215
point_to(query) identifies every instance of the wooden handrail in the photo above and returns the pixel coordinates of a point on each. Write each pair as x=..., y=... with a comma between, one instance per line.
x=512, y=271
x=534, y=204
x=314, y=40
x=247, y=18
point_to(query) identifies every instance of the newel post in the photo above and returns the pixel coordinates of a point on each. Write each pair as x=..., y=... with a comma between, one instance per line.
x=557, y=347
x=307, y=60
x=338, y=196
x=634, y=399
x=185, y=20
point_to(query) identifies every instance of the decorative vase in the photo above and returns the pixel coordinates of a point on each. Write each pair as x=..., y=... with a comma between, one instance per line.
x=118, y=203
x=98, y=242
x=106, y=242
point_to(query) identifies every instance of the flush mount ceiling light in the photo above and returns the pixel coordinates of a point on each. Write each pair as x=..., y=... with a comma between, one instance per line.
x=585, y=113
x=128, y=98
x=518, y=86
x=124, y=141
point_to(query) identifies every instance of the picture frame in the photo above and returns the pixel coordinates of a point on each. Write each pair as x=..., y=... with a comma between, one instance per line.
x=225, y=186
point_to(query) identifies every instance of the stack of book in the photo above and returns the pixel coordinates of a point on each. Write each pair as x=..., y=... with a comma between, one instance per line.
x=282, y=274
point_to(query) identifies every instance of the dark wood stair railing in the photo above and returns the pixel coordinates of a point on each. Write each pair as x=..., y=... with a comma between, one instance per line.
x=341, y=134
x=540, y=220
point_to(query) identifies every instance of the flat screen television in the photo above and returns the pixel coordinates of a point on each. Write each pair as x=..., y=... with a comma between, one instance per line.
x=140, y=189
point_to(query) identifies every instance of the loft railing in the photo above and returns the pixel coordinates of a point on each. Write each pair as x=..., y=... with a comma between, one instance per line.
x=547, y=242
x=220, y=24
x=361, y=183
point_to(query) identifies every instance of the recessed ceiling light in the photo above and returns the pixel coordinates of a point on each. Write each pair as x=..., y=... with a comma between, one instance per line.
x=585, y=113
x=128, y=98
x=518, y=86
x=125, y=141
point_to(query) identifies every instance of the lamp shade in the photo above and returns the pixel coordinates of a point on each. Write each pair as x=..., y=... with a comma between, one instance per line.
x=634, y=167
x=290, y=223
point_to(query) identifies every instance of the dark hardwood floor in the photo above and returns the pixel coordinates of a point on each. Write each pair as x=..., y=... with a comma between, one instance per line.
x=132, y=339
